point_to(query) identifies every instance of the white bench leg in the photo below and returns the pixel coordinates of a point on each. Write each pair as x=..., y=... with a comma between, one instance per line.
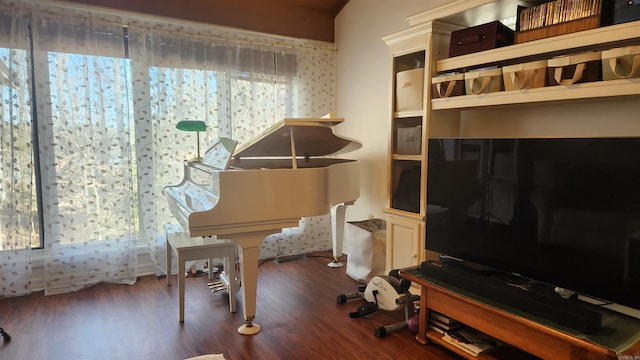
x=210, y=269
x=181, y=280
x=168, y=262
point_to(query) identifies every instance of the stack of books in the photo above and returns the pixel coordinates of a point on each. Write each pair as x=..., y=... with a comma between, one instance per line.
x=461, y=336
x=470, y=340
x=442, y=323
x=556, y=12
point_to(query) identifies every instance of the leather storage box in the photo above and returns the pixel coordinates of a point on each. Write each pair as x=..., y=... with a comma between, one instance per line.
x=479, y=38
x=409, y=141
x=525, y=76
x=448, y=85
x=626, y=11
x=409, y=90
x=483, y=81
x=575, y=69
x=621, y=63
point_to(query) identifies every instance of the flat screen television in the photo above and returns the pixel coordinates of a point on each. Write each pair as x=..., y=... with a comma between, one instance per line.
x=565, y=212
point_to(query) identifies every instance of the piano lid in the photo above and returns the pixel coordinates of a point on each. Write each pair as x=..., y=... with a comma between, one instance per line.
x=312, y=137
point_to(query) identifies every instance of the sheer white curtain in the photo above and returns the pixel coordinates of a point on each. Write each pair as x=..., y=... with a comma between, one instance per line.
x=17, y=195
x=85, y=115
x=238, y=84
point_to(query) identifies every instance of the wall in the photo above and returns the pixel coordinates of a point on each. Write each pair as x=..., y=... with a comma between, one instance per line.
x=363, y=89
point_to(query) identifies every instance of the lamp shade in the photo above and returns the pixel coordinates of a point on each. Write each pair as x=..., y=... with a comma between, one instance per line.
x=191, y=125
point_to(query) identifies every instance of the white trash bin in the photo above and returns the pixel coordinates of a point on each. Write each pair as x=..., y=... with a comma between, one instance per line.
x=366, y=243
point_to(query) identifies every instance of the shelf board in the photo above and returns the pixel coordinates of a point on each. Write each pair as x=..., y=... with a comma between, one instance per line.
x=403, y=213
x=603, y=37
x=502, y=352
x=408, y=114
x=578, y=92
x=407, y=157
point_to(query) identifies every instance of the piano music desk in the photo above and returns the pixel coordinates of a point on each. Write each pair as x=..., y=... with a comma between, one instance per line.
x=198, y=248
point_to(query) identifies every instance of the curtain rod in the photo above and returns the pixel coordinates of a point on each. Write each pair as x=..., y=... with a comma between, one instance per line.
x=128, y=18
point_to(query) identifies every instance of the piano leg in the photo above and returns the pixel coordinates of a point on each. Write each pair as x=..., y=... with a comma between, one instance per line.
x=249, y=245
x=337, y=232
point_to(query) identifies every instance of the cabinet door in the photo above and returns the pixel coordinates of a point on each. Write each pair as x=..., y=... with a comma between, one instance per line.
x=404, y=242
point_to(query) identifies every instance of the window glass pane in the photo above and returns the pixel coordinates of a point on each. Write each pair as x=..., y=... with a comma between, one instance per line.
x=257, y=102
x=18, y=220
x=94, y=169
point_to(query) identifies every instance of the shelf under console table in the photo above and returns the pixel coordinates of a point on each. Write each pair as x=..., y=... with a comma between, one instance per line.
x=618, y=336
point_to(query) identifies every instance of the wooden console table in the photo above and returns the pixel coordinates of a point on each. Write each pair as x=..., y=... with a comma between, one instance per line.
x=516, y=330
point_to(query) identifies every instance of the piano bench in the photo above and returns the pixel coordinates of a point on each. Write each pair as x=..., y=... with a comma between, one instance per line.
x=187, y=249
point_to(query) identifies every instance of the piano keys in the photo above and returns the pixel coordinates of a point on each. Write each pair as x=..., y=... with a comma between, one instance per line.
x=288, y=172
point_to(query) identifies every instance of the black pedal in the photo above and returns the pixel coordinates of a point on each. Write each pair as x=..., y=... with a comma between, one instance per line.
x=364, y=309
x=5, y=335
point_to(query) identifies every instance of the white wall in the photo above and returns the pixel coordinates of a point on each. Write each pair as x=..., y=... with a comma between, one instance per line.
x=363, y=89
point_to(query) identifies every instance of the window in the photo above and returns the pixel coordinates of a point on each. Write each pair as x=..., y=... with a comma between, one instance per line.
x=94, y=166
x=88, y=140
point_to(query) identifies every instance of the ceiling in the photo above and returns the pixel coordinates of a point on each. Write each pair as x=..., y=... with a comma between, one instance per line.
x=330, y=6
x=307, y=19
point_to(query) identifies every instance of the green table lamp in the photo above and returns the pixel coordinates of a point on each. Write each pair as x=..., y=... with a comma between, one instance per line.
x=193, y=125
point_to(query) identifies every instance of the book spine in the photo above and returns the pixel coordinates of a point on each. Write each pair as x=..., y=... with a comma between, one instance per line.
x=436, y=329
x=442, y=318
x=556, y=12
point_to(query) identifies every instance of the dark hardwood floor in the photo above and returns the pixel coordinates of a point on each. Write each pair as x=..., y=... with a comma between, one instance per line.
x=296, y=308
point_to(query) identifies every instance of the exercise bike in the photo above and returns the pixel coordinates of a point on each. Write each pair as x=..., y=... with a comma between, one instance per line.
x=385, y=292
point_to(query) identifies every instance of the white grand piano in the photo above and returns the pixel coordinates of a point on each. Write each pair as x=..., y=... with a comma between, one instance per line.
x=269, y=184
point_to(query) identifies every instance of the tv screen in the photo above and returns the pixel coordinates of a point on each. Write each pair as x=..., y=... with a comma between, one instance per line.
x=561, y=211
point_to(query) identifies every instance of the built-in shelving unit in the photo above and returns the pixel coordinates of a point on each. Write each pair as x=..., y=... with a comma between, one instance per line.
x=596, y=39
x=596, y=109
x=406, y=206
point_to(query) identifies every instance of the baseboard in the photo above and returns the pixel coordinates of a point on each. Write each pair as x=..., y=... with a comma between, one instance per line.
x=145, y=266
x=288, y=258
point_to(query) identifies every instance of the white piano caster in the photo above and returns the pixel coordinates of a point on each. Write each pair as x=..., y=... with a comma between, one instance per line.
x=249, y=328
x=335, y=263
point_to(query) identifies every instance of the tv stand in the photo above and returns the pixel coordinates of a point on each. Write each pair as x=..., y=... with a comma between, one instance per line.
x=518, y=331
x=517, y=292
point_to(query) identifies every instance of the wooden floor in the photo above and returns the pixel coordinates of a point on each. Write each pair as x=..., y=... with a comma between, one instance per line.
x=296, y=308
